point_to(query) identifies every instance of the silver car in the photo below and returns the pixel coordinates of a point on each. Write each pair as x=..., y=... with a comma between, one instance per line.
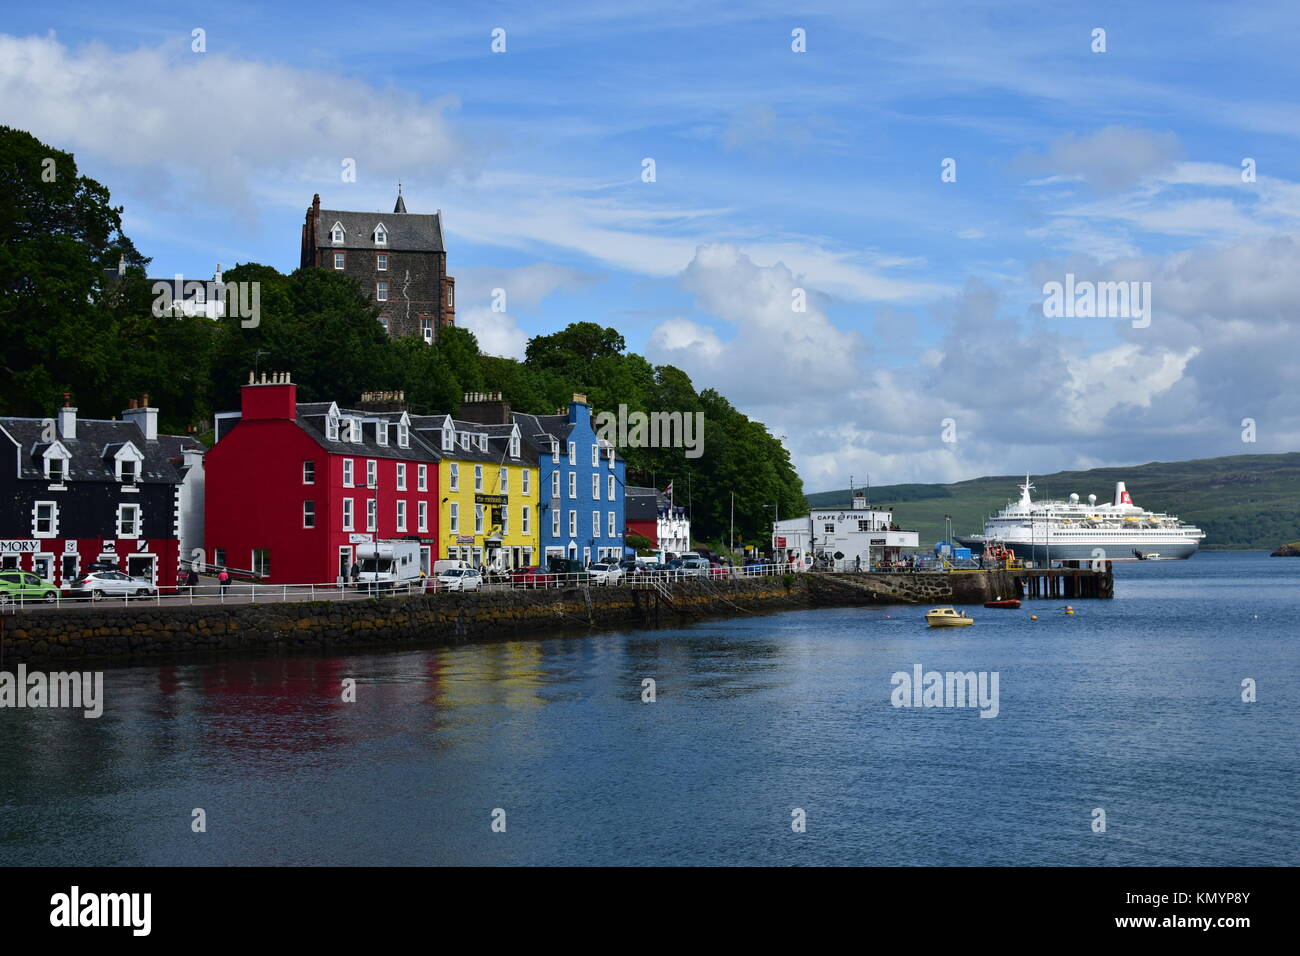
x=98, y=584
x=460, y=579
x=605, y=572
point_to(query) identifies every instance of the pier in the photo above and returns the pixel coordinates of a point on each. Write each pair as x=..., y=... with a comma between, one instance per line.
x=1047, y=583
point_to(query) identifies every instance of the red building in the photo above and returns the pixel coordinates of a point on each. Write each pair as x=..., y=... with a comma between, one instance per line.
x=293, y=488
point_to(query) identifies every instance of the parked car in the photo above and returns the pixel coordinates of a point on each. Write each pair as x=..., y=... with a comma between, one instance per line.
x=530, y=578
x=23, y=586
x=460, y=579
x=98, y=584
x=605, y=572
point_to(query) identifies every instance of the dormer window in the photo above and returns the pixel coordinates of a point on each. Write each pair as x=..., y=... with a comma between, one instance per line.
x=381, y=432
x=381, y=235
x=555, y=452
x=56, y=461
x=448, y=439
x=127, y=473
x=403, y=435
x=336, y=234
x=482, y=442
x=464, y=440
x=354, y=430
x=332, y=428
x=514, y=446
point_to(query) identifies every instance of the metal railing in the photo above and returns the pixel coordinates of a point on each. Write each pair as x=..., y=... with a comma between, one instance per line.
x=243, y=592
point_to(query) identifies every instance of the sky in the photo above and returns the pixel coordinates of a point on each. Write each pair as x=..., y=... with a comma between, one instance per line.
x=854, y=217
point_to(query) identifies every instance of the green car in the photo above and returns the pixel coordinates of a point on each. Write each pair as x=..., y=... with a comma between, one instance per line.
x=26, y=587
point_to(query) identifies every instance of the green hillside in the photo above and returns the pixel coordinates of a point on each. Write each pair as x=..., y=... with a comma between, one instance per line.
x=1242, y=502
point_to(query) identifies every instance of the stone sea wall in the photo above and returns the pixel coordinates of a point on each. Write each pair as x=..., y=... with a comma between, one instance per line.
x=150, y=632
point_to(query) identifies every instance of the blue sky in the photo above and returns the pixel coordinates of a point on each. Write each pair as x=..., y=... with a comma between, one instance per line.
x=775, y=170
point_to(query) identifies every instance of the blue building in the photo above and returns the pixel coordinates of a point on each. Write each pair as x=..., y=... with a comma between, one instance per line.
x=582, y=478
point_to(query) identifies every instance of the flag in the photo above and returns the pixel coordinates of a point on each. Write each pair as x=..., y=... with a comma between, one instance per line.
x=669, y=490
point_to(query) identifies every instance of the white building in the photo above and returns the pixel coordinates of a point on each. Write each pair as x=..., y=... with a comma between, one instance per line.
x=849, y=538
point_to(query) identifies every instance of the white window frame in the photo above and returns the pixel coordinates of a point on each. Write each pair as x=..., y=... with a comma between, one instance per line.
x=478, y=519
x=595, y=456
x=555, y=452
x=503, y=479
x=305, y=503
x=401, y=514
x=555, y=522
x=381, y=235
x=612, y=525
x=349, y=473
x=381, y=433
x=422, y=477
x=332, y=427
x=422, y=515
x=403, y=435
x=448, y=439
x=338, y=234
x=595, y=487
x=573, y=523
x=349, y=514
x=372, y=515
x=453, y=476
x=372, y=473
x=555, y=484
x=595, y=524
x=478, y=478
x=453, y=518
x=340, y=260
x=611, y=487
x=381, y=291
x=381, y=262
x=573, y=453
x=525, y=521
x=505, y=521
x=525, y=481
x=514, y=445
x=401, y=476
x=573, y=484
x=139, y=521
x=53, y=519
x=309, y=472
x=56, y=452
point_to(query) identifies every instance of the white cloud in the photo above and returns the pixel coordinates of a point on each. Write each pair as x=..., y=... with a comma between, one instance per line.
x=497, y=332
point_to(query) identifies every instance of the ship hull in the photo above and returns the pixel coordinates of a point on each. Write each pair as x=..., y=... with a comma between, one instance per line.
x=1084, y=551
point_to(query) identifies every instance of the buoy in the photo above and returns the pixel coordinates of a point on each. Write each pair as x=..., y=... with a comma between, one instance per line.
x=1068, y=609
x=1033, y=617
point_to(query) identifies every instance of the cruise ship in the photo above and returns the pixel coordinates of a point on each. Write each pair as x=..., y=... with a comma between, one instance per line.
x=1074, y=531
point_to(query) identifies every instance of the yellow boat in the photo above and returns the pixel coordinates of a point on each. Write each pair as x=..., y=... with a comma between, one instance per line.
x=947, y=617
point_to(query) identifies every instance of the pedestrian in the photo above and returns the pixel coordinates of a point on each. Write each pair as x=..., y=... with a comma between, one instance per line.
x=354, y=572
x=224, y=580
x=192, y=580
x=857, y=563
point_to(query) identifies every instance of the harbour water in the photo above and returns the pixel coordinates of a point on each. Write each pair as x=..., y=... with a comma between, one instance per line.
x=1133, y=706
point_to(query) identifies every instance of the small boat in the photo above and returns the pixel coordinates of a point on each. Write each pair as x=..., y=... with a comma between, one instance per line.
x=947, y=617
x=1004, y=602
x=1146, y=555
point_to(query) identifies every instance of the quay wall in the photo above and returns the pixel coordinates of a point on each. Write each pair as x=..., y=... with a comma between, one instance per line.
x=146, y=632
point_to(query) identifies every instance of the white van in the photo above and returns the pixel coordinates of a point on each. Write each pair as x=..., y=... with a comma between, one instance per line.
x=387, y=564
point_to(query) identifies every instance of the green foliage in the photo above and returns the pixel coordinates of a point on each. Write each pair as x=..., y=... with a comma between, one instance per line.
x=69, y=327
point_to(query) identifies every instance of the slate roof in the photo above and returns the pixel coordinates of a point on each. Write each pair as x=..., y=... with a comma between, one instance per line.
x=407, y=232
x=92, y=449
x=640, y=504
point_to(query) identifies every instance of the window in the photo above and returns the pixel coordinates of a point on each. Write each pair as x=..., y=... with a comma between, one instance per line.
x=381, y=235
x=453, y=476
x=381, y=432
x=401, y=476
x=401, y=515
x=450, y=293
x=610, y=488
x=381, y=262
x=128, y=521
x=381, y=291
x=595, y=456
x=332, y=428
x=354, y=429
x=514, y=446
x=347, y=472
x=611, y=456
x=555, y=484
x=464, y=440
x=478, y=477
x=422, y=477
x=505, y=520
x=482, y=442
x=595, y=524
x=45, y=519
x=526, y=523
x=340, y=259
x=555, y=452
x=526, y=480
x=573, y=453
x=453, y=521
x=448, y=439
x=336, y=234
x=422, y=514
x=372, y=514
x=573, y=484
x=347, y=515
x=403, y=435
x=573, y=523
x=309, y=472
x=503, y=479
x=595, y=487
x=829, y=527
x=127, y=471
x=372, y=473
x=309, y=514
x=426, y=328
x=219, y=557
x=555, y=523
x=262, y=562
x=611, y=524
x=478, y=519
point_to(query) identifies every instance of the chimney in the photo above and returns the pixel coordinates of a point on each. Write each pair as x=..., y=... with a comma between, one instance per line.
x=145, y=418
x=1121, y=495
x=485, y=408
x=269, y=399
x=579, y=410
x=67, y=418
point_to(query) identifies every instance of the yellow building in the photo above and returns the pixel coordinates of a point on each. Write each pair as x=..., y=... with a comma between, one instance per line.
x=487, y=486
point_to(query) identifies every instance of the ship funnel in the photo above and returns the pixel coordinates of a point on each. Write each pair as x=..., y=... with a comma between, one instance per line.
x=1121, y=495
